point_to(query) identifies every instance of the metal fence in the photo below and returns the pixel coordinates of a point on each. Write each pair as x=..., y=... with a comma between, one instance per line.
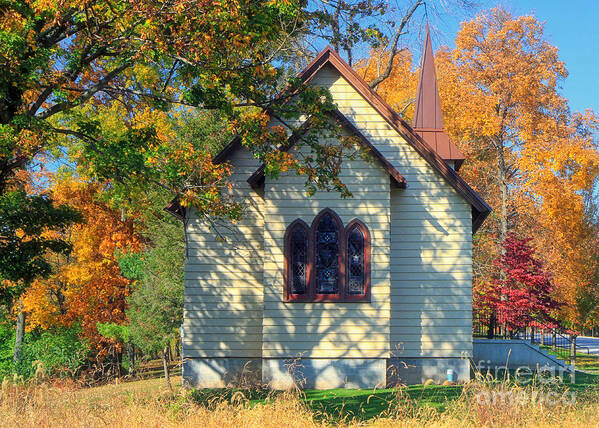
x=556, y=340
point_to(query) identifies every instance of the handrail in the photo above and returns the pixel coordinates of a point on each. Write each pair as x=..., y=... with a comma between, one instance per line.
x=559, y=341
x=566, y=338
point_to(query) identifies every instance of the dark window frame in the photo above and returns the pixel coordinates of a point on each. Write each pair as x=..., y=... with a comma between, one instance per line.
x=288, y=268
x=343, y=277
x=366, y=274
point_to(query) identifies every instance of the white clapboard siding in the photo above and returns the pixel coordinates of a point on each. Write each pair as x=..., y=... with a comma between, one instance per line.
x=430, y=239
x=223, y=277
x=353, y=330
x=421, y=268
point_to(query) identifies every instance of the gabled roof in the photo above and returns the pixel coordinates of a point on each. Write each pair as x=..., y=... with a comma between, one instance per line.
x=480, y=209
x=428, y=118
x=257, y=178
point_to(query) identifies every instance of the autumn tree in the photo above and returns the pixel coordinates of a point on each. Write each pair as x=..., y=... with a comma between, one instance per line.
x=87, y=288
x=61, y=56
x=525, y=295
x=32, y=229
x=530, y=157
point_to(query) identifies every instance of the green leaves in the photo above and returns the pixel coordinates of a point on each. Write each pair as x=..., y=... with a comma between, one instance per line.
x=111, y=158
x=156, y=303
x=30, y=228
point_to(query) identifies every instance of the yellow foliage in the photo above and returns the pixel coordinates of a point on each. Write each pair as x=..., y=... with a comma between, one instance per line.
x=87, y=287
x=500, y=95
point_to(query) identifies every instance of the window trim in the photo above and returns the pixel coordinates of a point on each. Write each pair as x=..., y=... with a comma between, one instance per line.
x=343, y=279
x=366, y=233
x=288, y=266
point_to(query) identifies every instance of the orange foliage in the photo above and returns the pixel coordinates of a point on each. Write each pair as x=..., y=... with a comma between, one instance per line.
x=399, y=89
x=87, y=287
x=501, y=103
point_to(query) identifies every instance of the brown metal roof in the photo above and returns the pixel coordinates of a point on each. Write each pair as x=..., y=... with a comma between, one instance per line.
x=428, y=118
x=480, y=209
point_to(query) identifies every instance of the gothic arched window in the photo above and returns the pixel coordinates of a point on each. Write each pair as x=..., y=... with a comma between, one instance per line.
x=327, y=262
x=296, y=254
x=327, y=254
x=358, y=258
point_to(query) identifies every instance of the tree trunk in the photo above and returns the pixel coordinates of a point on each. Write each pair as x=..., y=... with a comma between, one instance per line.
x=572, y=349
x=165, y=366
x=491, y=331
x=20, y=334
x=532, y=335
x=131, y=356
x=503, y=188
x=554, y=340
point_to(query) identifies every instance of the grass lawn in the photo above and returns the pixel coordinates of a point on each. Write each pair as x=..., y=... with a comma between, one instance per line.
x=148, y=402
x=364, y=404
x=586, y=362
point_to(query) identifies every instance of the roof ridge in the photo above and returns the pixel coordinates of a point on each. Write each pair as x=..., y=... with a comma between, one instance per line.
x=480, y=209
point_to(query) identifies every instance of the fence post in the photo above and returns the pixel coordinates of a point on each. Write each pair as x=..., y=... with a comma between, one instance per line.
x=572, y=349
x=553, y=340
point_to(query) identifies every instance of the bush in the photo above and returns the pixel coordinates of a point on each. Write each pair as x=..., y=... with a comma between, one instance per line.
x=59, y=352
x=7, y=342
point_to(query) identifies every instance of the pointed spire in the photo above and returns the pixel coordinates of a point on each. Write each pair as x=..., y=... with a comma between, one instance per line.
x=428, y=117
x=428, y=103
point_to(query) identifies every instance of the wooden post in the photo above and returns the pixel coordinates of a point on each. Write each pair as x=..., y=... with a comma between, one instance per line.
x=19, y=336
x=554, y=340
x=572, y=349
x=165, y=366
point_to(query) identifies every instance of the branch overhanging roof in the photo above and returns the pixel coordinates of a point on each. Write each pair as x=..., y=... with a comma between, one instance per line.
x=480, y=209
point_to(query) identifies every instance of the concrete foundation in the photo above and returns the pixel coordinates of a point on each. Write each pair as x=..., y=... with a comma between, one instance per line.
x=317, y=373
x=221, y=372
x=410, y=371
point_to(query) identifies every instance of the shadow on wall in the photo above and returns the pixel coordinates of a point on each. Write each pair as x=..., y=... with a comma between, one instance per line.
x=222, y=343
x=238, y=328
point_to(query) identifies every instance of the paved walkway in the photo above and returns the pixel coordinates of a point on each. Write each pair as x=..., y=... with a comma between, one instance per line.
x=589, y=342
x=582, y=343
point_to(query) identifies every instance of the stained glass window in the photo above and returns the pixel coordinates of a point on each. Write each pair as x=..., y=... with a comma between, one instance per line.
x=299, y=260
x=355, y=261
x=326, y=262
x=327, y=256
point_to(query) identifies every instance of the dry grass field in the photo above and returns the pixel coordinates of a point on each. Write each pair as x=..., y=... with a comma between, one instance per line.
x=147, y=403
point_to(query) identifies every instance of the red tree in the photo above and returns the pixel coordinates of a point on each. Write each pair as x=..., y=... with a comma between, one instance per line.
x=524, y=297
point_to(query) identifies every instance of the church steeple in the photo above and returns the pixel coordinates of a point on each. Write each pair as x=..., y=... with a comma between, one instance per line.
x=428, y=117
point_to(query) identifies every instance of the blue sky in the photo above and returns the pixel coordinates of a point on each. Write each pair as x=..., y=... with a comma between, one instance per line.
x=572, y=26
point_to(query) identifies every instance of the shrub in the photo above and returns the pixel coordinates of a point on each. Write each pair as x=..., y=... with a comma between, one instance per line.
x=7, y=342
x=58, y=352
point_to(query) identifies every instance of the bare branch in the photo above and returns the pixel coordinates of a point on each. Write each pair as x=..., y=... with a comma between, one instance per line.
x=394, y=50
x=67, y=105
